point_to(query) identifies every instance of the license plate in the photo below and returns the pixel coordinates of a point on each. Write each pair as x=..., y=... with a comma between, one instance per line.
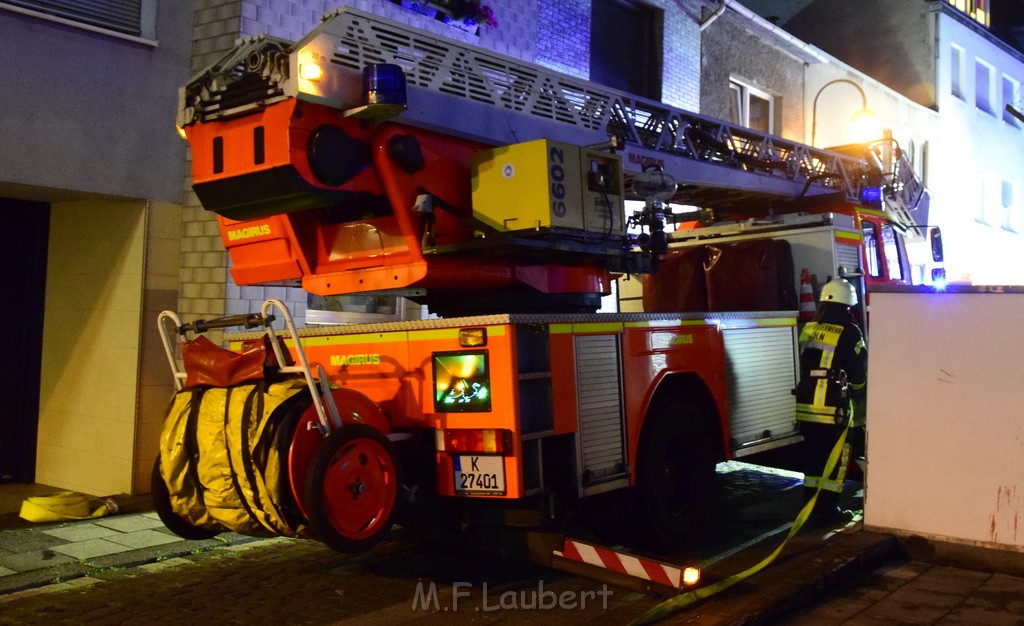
x=479, y=474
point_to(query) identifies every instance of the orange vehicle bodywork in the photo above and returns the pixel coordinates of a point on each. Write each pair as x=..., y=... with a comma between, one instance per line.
x=280, y=223
x=393, y=369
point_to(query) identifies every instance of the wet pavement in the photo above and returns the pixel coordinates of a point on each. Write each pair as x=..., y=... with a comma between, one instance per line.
x=128, y=569
x=916, y=592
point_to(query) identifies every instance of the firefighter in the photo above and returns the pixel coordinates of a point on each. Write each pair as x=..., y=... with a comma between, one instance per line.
x=833, y=374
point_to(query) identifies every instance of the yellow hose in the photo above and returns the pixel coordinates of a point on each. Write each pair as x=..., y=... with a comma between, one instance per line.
x=63, y=506
x=680, y=602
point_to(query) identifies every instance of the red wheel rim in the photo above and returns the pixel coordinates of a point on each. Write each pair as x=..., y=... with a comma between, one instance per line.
x=360, y=488
x=305, y=440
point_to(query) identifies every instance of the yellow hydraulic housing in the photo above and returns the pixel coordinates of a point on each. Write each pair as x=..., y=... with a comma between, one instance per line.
x=546, y=185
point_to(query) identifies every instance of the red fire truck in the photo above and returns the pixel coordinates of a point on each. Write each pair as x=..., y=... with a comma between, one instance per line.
x=372, y=158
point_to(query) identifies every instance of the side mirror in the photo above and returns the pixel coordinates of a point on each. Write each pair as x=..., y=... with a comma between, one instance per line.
x=935, y=237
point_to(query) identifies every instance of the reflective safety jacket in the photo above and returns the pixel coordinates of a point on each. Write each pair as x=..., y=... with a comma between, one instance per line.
x=833, y=372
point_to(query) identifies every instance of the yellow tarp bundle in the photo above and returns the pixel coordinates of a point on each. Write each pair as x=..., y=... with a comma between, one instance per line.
x=220, y=459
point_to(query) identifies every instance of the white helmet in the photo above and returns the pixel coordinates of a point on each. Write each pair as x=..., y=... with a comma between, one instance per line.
x=840, y=291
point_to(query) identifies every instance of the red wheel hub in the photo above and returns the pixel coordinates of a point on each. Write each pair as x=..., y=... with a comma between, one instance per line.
x=360, y=488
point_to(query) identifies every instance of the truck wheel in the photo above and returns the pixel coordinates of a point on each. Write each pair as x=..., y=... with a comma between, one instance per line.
x=675, y=474
x=162, y=505
x=352, y=488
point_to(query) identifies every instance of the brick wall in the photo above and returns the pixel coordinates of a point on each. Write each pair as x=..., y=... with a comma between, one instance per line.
x=680, y=85
x=563, y=39
x=563, y=44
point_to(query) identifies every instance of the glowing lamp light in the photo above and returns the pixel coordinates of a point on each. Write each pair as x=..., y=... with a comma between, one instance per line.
x=473, y=440
x=472, y=337
x=864, y=126
x=691, y=576
x=310, y=71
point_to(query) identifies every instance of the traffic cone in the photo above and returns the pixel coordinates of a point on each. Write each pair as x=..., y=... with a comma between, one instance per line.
x=807, y=308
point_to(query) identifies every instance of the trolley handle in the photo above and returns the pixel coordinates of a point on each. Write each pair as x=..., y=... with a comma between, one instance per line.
x=248, y=320
x=329, y=417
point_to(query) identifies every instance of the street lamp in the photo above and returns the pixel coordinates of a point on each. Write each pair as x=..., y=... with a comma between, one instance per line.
x=861, y=119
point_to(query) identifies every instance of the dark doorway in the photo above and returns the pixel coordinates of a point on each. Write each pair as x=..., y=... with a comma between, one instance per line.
x=625, y=46
x=23, y=244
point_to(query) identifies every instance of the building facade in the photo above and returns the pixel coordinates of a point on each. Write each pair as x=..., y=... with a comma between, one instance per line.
x=91, y=176
x=944, y=55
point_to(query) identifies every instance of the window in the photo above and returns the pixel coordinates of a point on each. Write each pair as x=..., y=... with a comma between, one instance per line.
x=989, y=209
x=983, y=86
x=871, y=250
x=977, y=9
x=890, y=248
x=916, y=152
x=956, y=71
x=353, y=309
x=130, y=17
x=923, y=170
x=893, y=256
x=1013, y=213
x=635, y=68
x=751, y=107
x=981, y=12
x=1011, y=95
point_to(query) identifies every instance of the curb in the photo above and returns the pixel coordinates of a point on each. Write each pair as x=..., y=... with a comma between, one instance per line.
x=809, y=576
x=65, y=572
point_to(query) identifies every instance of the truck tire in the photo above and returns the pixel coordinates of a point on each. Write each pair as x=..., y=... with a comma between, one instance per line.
x=675, y=474
x=351, y=491
x=162, y=505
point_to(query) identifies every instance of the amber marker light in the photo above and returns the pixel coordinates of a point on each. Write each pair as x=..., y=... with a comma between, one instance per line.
x=310, y=71
x=691, y=576
x=472, y=337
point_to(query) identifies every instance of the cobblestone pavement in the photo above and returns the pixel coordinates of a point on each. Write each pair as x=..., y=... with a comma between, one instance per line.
x=824, y=576
x=130, y=570
x=302, y=582
x=916, y=592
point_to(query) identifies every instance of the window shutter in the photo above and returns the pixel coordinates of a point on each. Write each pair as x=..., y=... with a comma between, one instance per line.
x=123, y=16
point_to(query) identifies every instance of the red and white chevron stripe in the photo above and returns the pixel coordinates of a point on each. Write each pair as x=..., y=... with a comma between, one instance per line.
x=646, y=569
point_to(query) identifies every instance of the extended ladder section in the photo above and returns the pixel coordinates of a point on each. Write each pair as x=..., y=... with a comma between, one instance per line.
x=477, y=94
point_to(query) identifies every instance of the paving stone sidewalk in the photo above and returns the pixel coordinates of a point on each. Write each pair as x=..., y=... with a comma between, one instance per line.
x=47, y=553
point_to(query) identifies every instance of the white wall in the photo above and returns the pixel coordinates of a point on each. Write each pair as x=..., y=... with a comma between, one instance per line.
x=945, y=426
x=976, y=151
x=91, y=112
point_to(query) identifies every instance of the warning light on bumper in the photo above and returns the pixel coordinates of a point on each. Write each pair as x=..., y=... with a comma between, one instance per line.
x=481, y=440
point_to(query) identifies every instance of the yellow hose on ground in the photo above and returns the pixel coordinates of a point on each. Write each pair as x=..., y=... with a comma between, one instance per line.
x=680, y=602
x=63, y=506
